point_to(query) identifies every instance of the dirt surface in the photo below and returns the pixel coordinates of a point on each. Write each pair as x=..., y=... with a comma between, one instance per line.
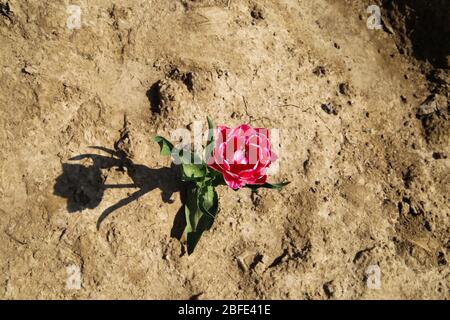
x=364, y=132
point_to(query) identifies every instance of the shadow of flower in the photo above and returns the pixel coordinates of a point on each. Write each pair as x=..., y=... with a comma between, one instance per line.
x=84, y=186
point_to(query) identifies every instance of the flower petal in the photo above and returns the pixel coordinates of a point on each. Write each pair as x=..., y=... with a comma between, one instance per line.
x=233, y=182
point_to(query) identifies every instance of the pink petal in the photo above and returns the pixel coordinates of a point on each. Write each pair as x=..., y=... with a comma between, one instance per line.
x=263, y=131
x=233, y=182
x=221, y=132
x=261, y=180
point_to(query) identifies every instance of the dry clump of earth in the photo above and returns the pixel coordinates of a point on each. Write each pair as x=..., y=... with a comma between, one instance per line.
x=364, y=126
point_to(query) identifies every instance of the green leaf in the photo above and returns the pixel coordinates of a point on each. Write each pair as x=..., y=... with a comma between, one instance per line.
x=210, y=142
x=184, y=156
x=208, y=202
x=193, y=215
x=267, y=185
x=191, y=210
x=164, y=145
x=214, y=178
x=200, y=210
x=193, y=172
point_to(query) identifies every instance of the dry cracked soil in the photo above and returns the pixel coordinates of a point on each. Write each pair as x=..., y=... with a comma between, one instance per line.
x=364, y=138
